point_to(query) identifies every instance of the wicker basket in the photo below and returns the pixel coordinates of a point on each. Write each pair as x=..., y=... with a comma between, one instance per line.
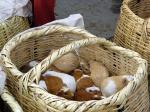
x=8, y=103
x=36, y=43
x=8, y=29
x=11, y=27
x=133, y=29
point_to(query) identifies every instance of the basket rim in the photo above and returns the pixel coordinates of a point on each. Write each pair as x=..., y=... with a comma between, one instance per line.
x=10, y=100
x=125, y=5
x=121, y=95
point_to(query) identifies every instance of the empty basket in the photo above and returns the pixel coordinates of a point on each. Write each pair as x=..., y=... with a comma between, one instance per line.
x=133, y=28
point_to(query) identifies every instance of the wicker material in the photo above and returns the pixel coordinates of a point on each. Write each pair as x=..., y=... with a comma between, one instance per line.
x=36, y=44
x=11, y=27
x=8, y=29
x=10, y=105
x=133, y=29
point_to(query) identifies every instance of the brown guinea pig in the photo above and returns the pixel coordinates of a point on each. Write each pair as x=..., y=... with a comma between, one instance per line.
x=90, y=93
x=66, y=93
x=84, y=82
x=53, y=83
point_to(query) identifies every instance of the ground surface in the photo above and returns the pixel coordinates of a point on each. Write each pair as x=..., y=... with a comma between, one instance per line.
x=100, y=16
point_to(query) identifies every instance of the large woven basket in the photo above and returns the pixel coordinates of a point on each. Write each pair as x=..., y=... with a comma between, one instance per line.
x=8, y=103
x=8, y=29
x=36, y=43
x=133, y=28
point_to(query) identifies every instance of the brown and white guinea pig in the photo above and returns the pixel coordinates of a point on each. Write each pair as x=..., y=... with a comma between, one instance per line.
x=86, y=90
x=98, y=72
x=89, y=93
x=60, y=84
x=29, y=65
x=112, y=85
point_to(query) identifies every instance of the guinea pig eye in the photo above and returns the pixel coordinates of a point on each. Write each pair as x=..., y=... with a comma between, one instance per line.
x=90, y=91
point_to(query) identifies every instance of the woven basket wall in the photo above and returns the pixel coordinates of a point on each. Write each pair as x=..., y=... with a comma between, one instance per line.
x=11, y=27
x=8, y=29
x=36, y=43
x=133, y=28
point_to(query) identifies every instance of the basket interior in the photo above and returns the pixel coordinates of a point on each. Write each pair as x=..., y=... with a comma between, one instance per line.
x=39, y=48
x=140, y=7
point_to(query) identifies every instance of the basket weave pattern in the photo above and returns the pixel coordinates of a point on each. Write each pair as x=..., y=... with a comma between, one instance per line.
x=11, y=27
x=38, y=42
x=133, y=28
x=8, y=29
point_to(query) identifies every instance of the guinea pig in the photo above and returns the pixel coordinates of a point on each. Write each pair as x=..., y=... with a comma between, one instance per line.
x=84, y=82
x=55, y=85
x=98, y=72
x=67, y=63
x=66, y=93
x=112, y=85
x=89, y=93
x=86, y=90
x=67, y=79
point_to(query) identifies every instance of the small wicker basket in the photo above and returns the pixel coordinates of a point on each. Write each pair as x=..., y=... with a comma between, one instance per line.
x=36, y=43
x=8, y=29
x=133, y=28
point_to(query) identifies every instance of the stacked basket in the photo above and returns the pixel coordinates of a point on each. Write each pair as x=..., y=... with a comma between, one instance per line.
x=36, y=43
x=8, y=29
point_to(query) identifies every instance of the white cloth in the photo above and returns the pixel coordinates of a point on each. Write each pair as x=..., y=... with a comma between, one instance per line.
x=9, y=8
x=74, y=20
